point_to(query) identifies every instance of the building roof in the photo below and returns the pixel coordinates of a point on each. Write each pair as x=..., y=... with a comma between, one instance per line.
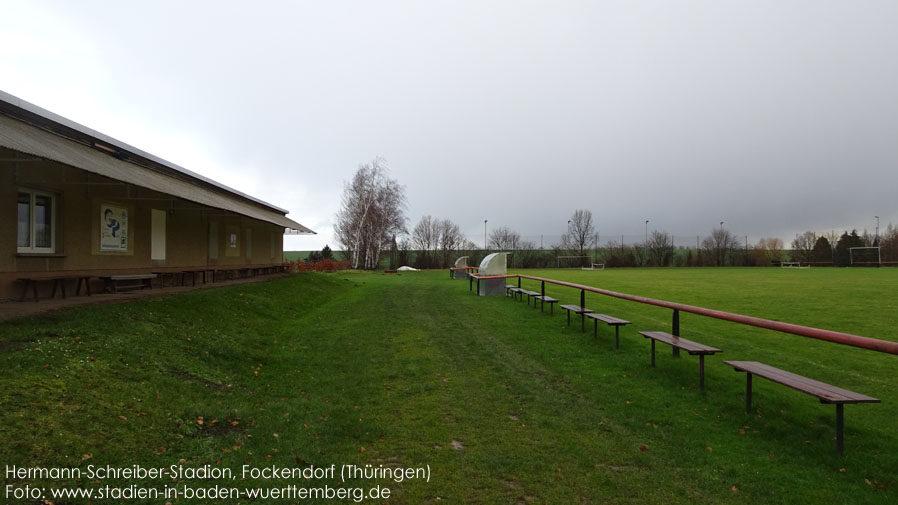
x=27, y=128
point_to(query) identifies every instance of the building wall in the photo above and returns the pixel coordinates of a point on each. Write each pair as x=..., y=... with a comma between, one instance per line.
x=79, y=197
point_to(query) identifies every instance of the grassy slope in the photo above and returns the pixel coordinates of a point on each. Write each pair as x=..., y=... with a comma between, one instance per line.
x=405, y=365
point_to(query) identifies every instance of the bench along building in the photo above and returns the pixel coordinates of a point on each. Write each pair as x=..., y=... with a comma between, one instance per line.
x=74, y=202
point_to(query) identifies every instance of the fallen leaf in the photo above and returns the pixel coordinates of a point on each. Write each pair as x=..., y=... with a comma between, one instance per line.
x=87, y=456
x=643, y=448
x=734, y=489
x=123, y=418
x=709, y=448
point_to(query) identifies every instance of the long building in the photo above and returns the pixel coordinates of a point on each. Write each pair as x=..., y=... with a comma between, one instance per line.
x=76, y=202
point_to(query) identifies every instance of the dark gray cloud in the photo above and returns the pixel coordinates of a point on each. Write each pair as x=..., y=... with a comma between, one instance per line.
x=774, y=117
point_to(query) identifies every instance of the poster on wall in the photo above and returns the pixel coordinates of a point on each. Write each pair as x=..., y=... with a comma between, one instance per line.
x=113, y=228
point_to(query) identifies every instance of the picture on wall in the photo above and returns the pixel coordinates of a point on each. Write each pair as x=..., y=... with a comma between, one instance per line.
x=113, y=228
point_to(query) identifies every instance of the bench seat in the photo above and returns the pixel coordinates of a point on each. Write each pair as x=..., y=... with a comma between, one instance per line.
x=512, y=290
x=611, y=321
x=576, y=309
x=826, y=393
x=144, y=281
x=547, y=299
x=530, y=294
x=689, y=346
x=58, y=284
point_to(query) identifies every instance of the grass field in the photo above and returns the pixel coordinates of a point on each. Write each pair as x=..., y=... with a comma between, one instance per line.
x=504, y=403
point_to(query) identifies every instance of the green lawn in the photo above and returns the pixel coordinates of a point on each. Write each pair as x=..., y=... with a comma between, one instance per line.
x=505, y=404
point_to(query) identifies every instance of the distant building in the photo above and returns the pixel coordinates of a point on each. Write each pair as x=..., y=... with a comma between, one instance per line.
x=73, y=200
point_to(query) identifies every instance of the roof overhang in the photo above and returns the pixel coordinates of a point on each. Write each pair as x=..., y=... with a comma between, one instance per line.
x=25, y=138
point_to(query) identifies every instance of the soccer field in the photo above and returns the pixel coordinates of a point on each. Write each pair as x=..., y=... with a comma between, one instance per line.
x=503, y=403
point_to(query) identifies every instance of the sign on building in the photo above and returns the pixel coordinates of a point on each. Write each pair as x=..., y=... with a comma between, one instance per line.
x=113, y=228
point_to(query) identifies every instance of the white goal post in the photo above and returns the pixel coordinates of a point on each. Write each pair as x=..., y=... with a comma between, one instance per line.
x=874, y=259
x=575, y=261
x=595, y=266
x=793, y=264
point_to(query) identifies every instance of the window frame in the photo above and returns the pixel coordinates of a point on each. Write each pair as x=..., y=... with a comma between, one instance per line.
x=32, y=248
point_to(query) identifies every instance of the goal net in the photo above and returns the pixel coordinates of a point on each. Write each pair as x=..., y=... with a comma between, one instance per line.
x=793, y=264
x=574, y=261
x=595, y=266
x=865, y=256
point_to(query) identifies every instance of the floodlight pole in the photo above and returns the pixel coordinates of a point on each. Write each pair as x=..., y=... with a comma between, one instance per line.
x=645, y=248
x=877, y=229
x=484, y=236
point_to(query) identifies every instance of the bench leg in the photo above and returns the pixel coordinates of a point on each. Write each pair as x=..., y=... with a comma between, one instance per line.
x=653, y=352
x=748, y=393
x=551, y=309
x=595, y=328
x=617, y=336
x=568, y=312
x=701, y=371
x=582, y=321
x=675, y=331
x=840, y=427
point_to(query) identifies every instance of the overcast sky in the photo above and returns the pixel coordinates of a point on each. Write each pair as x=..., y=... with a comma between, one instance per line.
x=775, y=117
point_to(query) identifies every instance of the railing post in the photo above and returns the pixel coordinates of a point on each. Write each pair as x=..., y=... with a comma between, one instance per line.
x=582, y=310
x=675, y=330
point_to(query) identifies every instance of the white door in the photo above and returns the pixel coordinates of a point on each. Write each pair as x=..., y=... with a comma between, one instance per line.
x=157, y=242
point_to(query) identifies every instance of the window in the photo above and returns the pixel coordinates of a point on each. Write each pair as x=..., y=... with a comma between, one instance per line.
x=36, y=231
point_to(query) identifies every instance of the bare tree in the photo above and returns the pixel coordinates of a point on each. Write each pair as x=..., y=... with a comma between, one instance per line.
x=436, y=241
x=661, y=248
x=372, y=212
x=425, y=239
x=580, y=233
x=718, y=244
x=769, y=250
x=504, y=238
x=451, y=241
x=803, y=245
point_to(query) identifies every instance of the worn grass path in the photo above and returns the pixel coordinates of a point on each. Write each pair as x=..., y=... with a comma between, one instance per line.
x=505, y=404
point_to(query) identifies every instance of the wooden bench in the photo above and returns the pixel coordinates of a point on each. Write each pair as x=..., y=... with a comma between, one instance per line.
x=681, y=343
x=611, y=321
x=512, y=290
x=546, y=299
x=826, y=393
x=140, y=281
x=58, y=284
x=202, y=271
x=174, y=276
x=530, y=294
x=576, y=309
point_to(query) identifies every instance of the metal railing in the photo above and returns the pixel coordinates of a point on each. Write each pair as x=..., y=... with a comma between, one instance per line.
x=872, y=344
